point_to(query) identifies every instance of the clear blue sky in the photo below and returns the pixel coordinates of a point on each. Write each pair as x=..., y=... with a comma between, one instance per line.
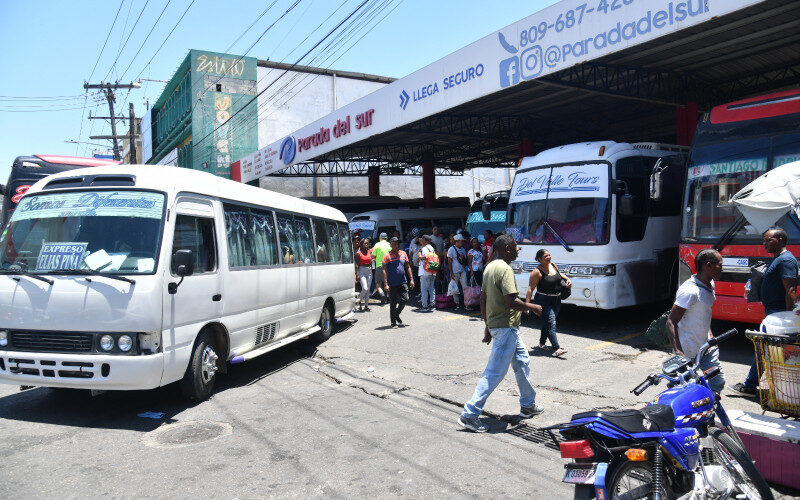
x=50, y=48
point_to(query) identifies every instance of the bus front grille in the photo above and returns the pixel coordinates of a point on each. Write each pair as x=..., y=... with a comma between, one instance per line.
x=51, y=341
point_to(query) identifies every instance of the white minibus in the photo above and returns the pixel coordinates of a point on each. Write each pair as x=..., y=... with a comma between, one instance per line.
x=372, y=224
x=136, y=276
x=589, y=205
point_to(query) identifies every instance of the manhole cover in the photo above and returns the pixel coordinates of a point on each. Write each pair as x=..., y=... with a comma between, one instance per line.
x=186, y=434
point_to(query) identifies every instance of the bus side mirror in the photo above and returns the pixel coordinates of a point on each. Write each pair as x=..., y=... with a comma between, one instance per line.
x=486, y=210
x=183, y=264
x=657, y=180
x=626, y=205
x=2, y=190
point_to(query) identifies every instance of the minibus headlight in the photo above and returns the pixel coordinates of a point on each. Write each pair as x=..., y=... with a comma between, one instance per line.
x=3, y=338
x=106, y=342
x=125, y=343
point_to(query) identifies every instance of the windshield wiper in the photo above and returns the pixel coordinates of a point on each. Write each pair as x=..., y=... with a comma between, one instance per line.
x=728, y=235
x=27, y=274
x=89, y=272
x=558, y=237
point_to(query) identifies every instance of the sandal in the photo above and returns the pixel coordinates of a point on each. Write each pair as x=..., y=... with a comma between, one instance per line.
x=559, y=352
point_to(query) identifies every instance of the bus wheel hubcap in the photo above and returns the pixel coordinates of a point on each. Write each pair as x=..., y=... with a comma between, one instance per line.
x=209, y=364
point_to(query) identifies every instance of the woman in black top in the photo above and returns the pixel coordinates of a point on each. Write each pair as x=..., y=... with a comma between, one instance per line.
x=546, y=280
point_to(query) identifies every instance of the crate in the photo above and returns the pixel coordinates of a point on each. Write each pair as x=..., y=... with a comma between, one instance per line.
x=778, y=359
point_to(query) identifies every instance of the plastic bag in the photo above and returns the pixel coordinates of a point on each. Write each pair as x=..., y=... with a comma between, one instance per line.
x=472, y=296
x=452, y=288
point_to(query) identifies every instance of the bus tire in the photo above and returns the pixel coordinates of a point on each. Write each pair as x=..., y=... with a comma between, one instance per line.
x=325, y=324
x=198, y=381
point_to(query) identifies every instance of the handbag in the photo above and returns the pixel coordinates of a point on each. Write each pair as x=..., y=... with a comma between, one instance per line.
x=756, y=279
x=472, y=294
x=566, y=290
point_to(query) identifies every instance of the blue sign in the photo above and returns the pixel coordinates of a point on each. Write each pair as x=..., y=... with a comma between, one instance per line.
x=59, y=256
x=288, y=150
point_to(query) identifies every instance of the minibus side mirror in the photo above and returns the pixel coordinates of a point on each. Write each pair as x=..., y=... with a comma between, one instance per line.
x=183, y=264
x=486, y=210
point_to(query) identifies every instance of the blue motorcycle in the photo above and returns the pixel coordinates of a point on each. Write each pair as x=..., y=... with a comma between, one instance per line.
x=657, y=452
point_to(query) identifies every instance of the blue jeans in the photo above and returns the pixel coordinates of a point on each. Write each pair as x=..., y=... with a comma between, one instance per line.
x=751, y=381
x=711, y=360
x=550, y=308
x=507, y=348
x=426, y=286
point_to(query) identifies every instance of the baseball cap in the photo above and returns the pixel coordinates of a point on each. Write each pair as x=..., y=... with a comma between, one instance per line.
x=383, y=236
x=458, y=237
x=394, y=239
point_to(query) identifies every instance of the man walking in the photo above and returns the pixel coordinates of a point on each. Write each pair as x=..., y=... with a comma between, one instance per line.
x=689, y=321
x=427, y=274
x=396, y=267
x=380, y=249
x=501, y=310
x=778, y=292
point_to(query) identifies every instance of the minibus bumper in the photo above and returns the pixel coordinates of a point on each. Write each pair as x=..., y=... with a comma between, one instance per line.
x=100, y=372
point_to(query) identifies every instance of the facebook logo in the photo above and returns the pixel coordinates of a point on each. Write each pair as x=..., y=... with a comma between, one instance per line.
x=509, y=72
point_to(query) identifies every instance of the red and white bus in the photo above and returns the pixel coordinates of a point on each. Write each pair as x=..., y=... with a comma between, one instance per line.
x=734, y=144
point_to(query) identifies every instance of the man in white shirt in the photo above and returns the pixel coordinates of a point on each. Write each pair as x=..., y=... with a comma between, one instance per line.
x=426, y=278
x=437, y=241
x=689, y=321
x=457, y=260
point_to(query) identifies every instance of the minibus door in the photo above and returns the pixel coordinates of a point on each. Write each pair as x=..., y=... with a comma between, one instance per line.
x=198, y=297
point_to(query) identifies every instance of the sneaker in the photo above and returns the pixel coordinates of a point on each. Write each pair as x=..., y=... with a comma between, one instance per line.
x=559, y=352
x=458, y=307
x=529, y=411
x=743, y=389
x=399, y=321
x=544, y=347
x=472, y=424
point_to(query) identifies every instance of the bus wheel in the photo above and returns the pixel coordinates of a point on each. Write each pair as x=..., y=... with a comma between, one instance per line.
x=198, y=382
x=325, y=324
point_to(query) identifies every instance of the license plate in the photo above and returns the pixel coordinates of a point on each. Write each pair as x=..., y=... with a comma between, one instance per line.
x=579, y=473
x=735, y=262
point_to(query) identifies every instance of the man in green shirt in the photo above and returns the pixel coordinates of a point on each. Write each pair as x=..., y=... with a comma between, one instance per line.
x=501, y=309
x=380, y=249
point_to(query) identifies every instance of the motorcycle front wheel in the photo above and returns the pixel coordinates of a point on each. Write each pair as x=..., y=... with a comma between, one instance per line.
x=744, y=474
x=634, y=481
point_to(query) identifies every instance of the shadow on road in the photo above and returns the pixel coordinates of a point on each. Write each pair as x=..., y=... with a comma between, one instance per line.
x=120, y=409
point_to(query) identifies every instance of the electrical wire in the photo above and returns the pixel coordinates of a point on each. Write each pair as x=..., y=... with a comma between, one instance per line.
x=104, y=43
x=145, y=39
x=166, y=38
x=119, y=52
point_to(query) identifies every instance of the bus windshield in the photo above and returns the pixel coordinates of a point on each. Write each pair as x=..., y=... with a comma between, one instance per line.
x=718, y=171
x=106, y=231
x=572, y=199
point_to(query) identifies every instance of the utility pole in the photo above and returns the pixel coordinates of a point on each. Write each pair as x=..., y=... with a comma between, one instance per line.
x=108, y=90
x=132, y=133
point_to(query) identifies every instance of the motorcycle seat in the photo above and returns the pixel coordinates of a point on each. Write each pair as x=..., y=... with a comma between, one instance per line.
x=651, y=418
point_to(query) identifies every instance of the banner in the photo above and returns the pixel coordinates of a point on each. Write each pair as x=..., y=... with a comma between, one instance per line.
x=570, y=181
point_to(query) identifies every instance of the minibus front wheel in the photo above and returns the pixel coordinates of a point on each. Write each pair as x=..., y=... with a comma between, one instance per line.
x=325, y=323
x=198, y=381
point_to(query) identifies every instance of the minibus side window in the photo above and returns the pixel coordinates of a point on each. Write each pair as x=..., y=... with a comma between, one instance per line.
x=196, y=234
x=264, y=241
x=286, y=233
x=335, y=244
x=240, y=253
x=321, y=238
x=347, y=250
x=304, y=240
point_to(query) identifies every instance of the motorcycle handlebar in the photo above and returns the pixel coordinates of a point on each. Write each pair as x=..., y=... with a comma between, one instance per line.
x=725, y=336
x=642, y=387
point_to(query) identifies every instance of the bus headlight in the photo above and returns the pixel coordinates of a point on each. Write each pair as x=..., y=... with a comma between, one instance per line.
x=125, y=343
x=3, y=338
x=578, y=270
x=106, y=342
x=516, y=266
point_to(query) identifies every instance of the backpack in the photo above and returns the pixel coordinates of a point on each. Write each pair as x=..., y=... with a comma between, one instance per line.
x=432, y=263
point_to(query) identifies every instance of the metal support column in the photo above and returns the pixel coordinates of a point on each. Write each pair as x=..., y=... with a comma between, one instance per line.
x=525, y=148
x=428, y=182
x=687, y=123
x=374, y=181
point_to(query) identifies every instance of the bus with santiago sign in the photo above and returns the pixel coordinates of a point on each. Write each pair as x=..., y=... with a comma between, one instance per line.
x=588, y=204
x=134, y=277
x=734, y=144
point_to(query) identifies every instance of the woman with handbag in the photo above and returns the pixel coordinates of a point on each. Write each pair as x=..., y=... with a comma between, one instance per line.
x=363, y=260
x=551, y=287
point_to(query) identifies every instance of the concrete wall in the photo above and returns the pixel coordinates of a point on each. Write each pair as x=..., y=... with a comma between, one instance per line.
x=297, y=99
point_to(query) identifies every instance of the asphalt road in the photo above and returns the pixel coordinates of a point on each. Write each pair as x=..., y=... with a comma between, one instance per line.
x=371, y=412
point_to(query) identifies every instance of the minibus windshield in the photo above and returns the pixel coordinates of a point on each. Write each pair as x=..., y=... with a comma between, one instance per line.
x=112, y=231
x=571, y=199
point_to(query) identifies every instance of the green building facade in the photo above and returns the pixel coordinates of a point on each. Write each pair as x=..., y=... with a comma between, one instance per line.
x=194, y=112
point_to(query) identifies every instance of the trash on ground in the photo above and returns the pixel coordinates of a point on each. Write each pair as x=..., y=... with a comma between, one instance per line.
x=152, y=414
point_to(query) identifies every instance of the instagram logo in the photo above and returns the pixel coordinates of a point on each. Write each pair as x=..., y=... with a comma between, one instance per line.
x=532, y=62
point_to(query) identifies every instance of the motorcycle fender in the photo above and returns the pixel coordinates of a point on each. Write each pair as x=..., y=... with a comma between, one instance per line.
x=600, y=481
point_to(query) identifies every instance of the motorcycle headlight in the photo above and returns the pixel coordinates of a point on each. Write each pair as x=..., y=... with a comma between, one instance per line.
x=125, y=343
x=106, y=342
x=3, y=338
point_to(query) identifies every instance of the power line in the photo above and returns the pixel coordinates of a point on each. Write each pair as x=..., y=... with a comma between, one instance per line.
x=104, y=43
x=119, y=52
x=145, y=39
x=285, y=71
x=166, y=38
